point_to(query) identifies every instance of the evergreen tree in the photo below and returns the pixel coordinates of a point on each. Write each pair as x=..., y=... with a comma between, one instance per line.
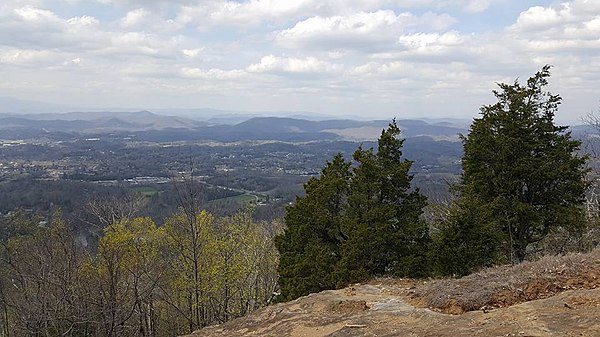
x=467, y=239
x=522, y=167
x=309, y=247
x=384, y=229
x=354, y=223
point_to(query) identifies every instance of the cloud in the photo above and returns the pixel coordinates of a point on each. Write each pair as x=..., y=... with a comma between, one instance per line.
x=279, y=65
x=568, y=18
x=135, y=17
x=424, y=41
x=212, y=74
x=477, y=6
x=257, y=11
x=27, y=57
x=352, y=55
x=241, y=14
x=539, y=18
x=249, y=13
x=357, y=31
x=368, y=31
x=32, y=14
x=585, y=7
x=34, y=28
x=149, y=21
x=567, y=27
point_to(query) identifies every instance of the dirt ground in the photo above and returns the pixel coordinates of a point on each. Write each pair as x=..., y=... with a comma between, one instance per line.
x=550, y=297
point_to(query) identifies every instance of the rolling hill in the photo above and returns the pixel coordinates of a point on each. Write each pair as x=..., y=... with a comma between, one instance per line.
x=153, y=127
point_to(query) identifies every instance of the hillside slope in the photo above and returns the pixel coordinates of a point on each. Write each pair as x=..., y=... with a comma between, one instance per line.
x=550, y=297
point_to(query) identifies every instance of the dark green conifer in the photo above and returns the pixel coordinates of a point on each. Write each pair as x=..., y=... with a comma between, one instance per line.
x=522, y=167
x=468, y=239
x=386, y=235
x=354, y=223
x=309, y=247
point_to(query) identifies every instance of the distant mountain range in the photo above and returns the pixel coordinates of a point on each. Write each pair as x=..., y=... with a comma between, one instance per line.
x=14, y=106
x=96, y=121
x=146, y=125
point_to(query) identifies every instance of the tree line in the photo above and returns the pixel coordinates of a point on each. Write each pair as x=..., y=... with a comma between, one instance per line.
x=522, y=181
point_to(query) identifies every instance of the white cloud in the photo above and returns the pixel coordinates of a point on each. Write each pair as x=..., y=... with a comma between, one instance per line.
x=135, y=17
x=343, y=29
x=539, y=17
x=585, y=7
x=308, y=65
x=245, y=14
x=33, y=14
x=150, y=21
x=85, y=20
x=35, y=28
x=256, y=11
x=26, y=57
x=360, y=31
x=422, y=41
x=212, y=74
x=476, y=6
x=566, y=28
x=192, y=53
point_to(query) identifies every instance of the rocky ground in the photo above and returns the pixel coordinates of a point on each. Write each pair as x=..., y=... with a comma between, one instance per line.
x=550, y=297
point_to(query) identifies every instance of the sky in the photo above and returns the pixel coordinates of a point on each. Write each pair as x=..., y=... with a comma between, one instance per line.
x=367, y=58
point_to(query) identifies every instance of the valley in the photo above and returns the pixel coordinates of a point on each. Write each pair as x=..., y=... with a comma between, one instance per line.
x=50, y=158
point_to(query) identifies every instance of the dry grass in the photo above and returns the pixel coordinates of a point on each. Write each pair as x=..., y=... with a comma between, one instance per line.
x=507, y=285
